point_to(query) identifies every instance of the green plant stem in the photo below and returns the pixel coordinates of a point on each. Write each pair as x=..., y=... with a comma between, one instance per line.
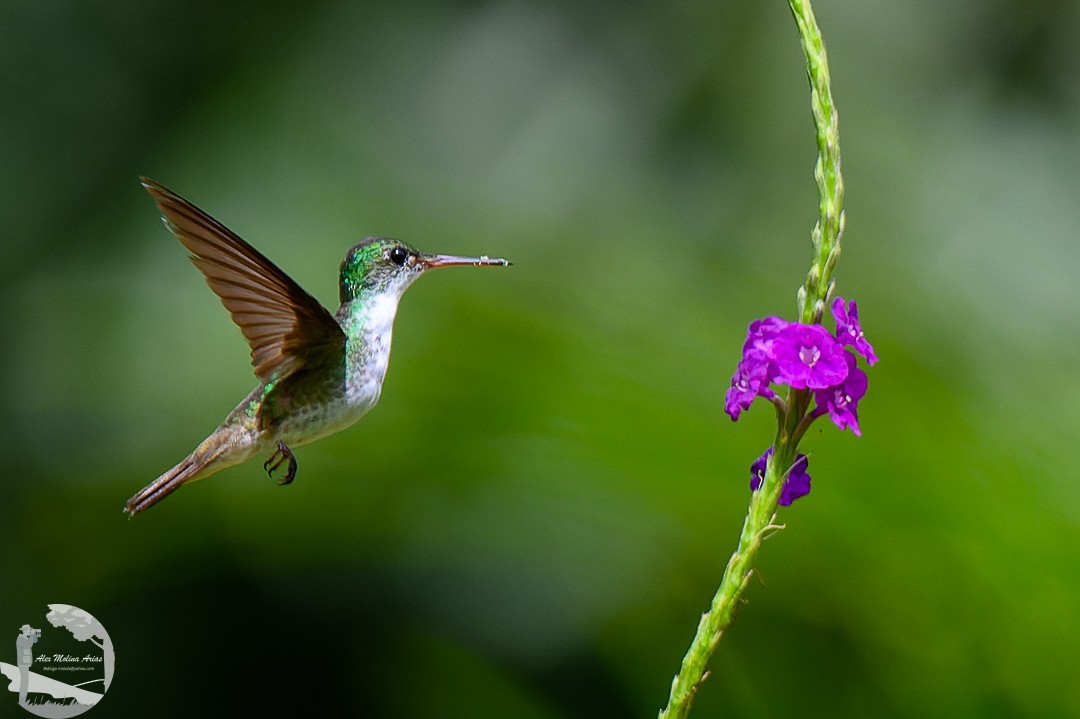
x=828, y=232
x=759, y=523
x=760, y=519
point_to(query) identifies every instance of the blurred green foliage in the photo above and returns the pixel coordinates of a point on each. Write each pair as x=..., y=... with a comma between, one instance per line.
x=533, y=518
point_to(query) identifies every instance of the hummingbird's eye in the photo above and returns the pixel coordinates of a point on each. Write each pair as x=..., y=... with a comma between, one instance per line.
x=398, y=255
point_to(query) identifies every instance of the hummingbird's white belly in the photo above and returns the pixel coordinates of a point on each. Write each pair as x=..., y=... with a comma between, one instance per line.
x=363, y=386
x=317, y=421
x=367, y=358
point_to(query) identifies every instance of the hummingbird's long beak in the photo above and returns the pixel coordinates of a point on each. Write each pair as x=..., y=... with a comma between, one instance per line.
x=451, y=261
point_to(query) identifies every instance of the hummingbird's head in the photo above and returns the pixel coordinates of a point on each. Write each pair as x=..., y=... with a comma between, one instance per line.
x=382, y=264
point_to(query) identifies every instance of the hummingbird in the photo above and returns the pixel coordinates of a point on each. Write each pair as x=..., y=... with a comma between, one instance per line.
x=318, y=372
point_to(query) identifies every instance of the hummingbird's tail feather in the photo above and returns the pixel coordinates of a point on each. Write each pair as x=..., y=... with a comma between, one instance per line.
x=215, y=453
x=163, y=486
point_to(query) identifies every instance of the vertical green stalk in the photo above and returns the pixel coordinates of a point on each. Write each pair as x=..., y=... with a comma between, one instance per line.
x=758, y=524
x=829, y=230
x=812, y=296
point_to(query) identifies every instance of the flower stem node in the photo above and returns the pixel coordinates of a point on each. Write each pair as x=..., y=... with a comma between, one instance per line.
x=796, y=483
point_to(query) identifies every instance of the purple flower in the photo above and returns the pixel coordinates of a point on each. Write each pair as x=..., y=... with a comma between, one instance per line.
x=796, y=484
x=807, y=356
x=842, y=400
x=760, y=337
x=750, y=380
x=848, y=329
x=756, y=370
x=761, y=333
x=804, y=357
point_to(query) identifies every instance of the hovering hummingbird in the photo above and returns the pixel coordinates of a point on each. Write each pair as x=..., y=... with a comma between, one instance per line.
x=318, y=373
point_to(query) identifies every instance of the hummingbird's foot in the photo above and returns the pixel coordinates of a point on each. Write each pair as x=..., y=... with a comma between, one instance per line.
x=282, y=455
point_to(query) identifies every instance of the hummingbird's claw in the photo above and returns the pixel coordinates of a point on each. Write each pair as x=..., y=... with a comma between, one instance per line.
x=282, y=455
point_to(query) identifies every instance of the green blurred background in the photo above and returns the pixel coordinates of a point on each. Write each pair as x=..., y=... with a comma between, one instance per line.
x=533, y=518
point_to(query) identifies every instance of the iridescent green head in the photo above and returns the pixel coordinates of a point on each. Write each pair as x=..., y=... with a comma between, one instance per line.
x=382, y=264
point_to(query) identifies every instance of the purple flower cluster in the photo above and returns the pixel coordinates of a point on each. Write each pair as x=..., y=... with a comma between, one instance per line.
x=805, y=357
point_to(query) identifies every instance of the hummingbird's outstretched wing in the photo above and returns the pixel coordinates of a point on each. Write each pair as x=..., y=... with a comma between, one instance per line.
x=286, y=327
